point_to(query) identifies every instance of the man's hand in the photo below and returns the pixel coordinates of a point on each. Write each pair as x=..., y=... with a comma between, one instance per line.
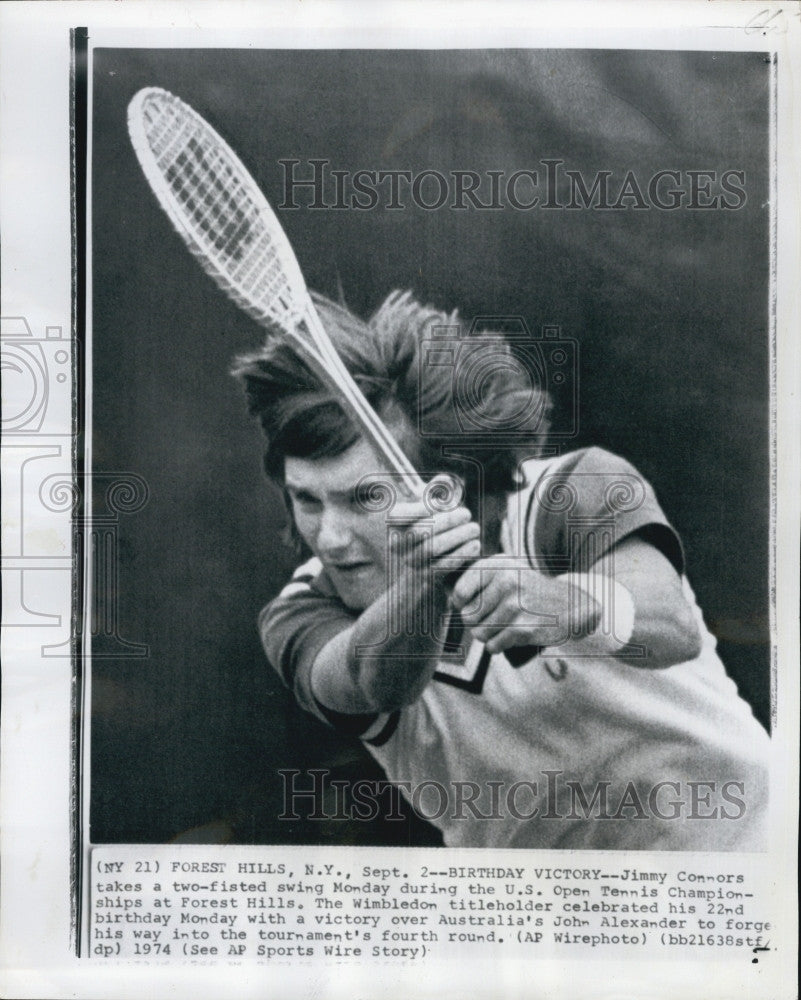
x=507, y=604
x=439, y=539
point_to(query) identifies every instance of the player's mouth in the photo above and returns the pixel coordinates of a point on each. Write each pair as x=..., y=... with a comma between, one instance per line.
x=351, y=568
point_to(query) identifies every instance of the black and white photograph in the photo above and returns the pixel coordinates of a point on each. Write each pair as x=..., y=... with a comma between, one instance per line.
x=548, y=275
x=400, y=500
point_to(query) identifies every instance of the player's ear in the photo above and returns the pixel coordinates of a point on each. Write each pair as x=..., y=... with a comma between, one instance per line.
x=290, y=534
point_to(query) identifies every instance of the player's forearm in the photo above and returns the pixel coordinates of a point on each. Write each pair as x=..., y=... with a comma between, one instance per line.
x=650, y=610
x=665, y=626
x=388, y=656
x=665, y=630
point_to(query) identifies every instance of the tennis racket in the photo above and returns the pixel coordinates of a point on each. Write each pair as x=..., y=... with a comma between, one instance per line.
x=227, y=223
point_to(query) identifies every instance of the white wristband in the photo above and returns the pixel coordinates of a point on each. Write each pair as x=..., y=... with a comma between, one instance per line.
x=616, y=623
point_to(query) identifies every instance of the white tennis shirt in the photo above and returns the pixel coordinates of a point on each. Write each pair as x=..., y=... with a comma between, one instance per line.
x=563, y=751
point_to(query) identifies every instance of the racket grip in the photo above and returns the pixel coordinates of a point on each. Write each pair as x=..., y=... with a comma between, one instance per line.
x=520, y=655
x=517, y=655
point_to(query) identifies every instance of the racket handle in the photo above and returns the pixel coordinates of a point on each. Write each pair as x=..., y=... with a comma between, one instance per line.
x=517, y=656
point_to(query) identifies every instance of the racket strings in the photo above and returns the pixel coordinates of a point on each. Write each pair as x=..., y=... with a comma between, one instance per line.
x=228, y=225
x=221, y=209
x=200, y=176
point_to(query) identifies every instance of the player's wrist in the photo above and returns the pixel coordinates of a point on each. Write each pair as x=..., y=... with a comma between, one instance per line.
x=600, y=611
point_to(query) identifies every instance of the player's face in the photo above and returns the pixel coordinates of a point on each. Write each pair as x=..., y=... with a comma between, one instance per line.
x=349, y=540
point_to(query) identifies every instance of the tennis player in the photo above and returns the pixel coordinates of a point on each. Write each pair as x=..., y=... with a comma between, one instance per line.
x=520, y=650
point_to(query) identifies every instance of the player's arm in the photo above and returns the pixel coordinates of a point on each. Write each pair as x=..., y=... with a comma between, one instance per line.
x=509, y=607
x=663, y=621
x=374, y=665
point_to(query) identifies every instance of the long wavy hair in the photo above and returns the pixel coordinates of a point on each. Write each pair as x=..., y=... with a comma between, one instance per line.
x=450, y=396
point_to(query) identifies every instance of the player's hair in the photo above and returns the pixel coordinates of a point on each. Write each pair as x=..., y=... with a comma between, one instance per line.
x=419, y=401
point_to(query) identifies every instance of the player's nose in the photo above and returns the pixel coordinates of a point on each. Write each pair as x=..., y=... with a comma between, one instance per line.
x=334, y=534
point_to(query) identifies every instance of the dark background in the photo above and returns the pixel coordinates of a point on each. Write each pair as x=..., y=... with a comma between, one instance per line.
x=670, y=310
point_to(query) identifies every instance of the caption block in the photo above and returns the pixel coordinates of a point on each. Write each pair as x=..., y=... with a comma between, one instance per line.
x=273, y=905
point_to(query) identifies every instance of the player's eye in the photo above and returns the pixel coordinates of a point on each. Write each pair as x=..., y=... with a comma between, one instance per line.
x=363, y=497
x=306, y=500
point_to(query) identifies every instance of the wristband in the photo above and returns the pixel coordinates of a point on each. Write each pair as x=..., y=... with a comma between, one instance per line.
x=616, y=621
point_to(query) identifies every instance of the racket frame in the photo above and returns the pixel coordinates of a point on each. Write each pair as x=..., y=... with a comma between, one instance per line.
x=297, y=313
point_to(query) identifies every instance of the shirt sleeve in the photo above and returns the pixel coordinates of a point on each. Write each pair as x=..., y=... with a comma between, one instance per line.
x=294, y=627
x=586, y=504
